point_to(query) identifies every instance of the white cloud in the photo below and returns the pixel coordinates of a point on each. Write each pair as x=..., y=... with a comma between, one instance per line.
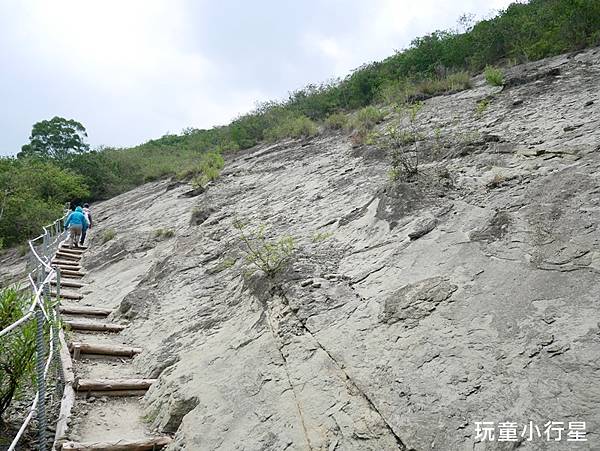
x=384, y=26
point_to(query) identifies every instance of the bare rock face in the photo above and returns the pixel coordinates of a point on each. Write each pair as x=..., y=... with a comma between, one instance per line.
x=417, y=301
x=136, y=304
x=423, y=227
x=408, y=311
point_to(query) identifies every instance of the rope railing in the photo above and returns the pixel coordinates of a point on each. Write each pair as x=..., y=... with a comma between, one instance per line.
x=45, y=313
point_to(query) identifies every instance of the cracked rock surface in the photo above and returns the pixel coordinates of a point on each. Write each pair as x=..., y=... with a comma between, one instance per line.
x=373, y=338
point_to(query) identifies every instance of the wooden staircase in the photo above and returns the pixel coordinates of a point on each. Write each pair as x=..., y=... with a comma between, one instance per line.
x=90, y=321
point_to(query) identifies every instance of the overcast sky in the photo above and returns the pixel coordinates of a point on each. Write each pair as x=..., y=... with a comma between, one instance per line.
x=132, y=70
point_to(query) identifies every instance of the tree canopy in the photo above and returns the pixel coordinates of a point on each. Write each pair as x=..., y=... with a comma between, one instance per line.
x=55, y=138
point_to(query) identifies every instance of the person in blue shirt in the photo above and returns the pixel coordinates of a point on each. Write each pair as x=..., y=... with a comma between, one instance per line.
x=76, y=223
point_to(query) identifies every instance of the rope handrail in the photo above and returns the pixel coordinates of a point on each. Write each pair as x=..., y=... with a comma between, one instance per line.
x=51, y=238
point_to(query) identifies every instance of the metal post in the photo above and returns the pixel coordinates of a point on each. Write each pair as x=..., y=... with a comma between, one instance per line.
x=41, y=383
x=45, y=246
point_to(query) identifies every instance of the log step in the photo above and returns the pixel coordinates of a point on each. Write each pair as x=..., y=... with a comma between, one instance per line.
x=68, y=268
x=64, y=262
x=79, y=249
x=67, y=295
x=149, y=444
x=68, y=256
x=102, y=349
x=116, y=393
x=100, y=327
x=71, y=273
x=84, y=310
x=85, y=385
x=68, y=283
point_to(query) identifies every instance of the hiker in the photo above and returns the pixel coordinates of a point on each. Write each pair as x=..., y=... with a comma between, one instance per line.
x=77, y=223
x=88, y=215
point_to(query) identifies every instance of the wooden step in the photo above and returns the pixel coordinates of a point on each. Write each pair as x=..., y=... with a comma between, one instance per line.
x=67, y=295
x=72, y=273
x=78, y=348
x=84, y=310
x=84, y=385
x=80, y=249
x=148, y=444
x=67, y=255
x=68, y=283
x=100, y=327
x=64, y=262
x=70, y=269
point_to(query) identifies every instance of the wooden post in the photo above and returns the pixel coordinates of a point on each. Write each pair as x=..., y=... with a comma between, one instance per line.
x=68, y=398
x=76, y=351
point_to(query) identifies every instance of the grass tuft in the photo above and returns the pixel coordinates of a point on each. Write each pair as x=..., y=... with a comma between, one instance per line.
x=493, y=76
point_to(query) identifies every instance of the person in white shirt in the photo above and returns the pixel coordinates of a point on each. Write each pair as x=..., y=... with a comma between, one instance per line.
x=88, y=215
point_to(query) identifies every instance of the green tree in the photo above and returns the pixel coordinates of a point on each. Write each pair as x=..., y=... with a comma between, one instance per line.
x=55, y=138
x=34, y=193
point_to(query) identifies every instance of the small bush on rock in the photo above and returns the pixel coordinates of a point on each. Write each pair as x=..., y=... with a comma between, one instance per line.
x=108, y=235
x=403, y=145
x=367, y=117
x=163, y=234
x=493, y=76
x=209, y=169
x=271, y=256
x=292, y=127
x=482, y=106
x=336, y=121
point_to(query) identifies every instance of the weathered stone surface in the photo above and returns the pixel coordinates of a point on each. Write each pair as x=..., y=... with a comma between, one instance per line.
x=414, y=302
x=423, y=227
x=493, y=316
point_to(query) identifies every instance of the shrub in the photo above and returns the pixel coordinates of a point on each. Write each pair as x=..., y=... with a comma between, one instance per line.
x=292, y=127
x=481, y=106
x=161, y=234
x=402, y=144
x=493, y=76
x=399, y=92
x=336, y=121
x=458, y=81
x=108, y=235
x=209, y=169
x=270, y=256
x=366, y=118
x=17, y=349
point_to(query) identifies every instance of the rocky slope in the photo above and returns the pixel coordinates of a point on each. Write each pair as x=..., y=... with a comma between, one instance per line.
x=409, y=311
